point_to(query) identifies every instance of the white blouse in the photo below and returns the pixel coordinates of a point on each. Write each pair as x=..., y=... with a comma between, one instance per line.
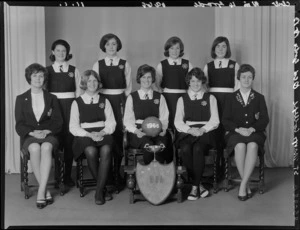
x=38, y=104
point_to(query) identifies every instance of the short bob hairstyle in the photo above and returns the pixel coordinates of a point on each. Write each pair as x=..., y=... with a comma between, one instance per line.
x=106, y=38
x=142, y=70
x=173, y=41
x=245, y=68
x=35, y=68
x=63, y=43
x=217, y=41
x=197, y=73
x=85, y=77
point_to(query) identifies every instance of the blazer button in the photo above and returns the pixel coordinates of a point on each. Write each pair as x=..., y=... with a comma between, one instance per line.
x=38, y=124
x=246, y=122
x=246, y=114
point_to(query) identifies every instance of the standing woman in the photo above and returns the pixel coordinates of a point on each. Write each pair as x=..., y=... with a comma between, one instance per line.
x=170, y=74
x=222, y=80
x=38, y=122
x=145, y=103
x=92, y=122
x=64, y=80
x=245, y=119
x=196, y=119
x=116, y=80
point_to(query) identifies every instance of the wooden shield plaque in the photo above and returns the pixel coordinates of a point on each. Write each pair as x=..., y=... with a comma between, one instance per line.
x=155, y=181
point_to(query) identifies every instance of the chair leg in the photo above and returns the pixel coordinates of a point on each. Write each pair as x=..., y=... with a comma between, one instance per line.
x=56, y=171
x=22, y=174
x=261, y=174
x=61, y=175
x=81, y=188
x=226, y=180
x=131, y=183
x=26, y=187
x=116, y=173
x=215, y=184
x=179, y=185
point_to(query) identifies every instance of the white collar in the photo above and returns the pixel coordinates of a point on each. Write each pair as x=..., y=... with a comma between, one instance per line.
x=192, y=94
x=64, y=64
x=142, y=93
x=171, y=61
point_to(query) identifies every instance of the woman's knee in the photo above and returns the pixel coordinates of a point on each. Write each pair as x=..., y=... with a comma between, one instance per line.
x=91, y=152
x=105, y=152
x=252, y=146
x=240, y=147
x=46, y=147
x=34, y=148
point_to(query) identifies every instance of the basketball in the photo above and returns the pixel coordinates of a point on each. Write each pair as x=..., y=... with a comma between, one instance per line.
x=151, y=126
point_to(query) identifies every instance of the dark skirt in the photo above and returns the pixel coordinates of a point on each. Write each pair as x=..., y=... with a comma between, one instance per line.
x=206, y=138
x=233, y=138
x=50, y=139
x=80, y=143
x=171, y=100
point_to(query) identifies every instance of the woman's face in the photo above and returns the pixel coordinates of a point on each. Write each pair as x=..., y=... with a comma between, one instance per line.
x=221, y=50
x=111, y=47
x=60, y=53
x=246, y=80
x=92, y=84
x=146, y=81
x=195, y=84
x=37, y=79
x=174, y=51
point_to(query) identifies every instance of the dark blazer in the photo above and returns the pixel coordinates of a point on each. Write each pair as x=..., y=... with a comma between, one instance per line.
x=26, y=122
x=236, y=114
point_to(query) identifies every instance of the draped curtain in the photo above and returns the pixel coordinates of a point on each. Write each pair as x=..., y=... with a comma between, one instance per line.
x=24, y=45
x=263, y=37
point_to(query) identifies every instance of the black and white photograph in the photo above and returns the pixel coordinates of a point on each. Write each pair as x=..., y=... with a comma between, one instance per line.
x=149, y=114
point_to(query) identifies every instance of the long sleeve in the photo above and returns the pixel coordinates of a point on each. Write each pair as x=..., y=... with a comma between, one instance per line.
x=129, y=117
x=179, y=123
x=96, y=67
x=128, y=79
x=74, y=124
x=110, y=122
x=21, y=127
x=236, y=81
x=214, y=120
x=263, y=120
x=163, y=113
x=158, y=79
x=79, y=91
x=227, y=121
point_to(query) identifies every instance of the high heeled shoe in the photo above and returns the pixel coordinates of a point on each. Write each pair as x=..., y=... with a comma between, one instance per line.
x=107, y=195
x=49, y=200
x=41, y=203
x=249, y=194
x=99, y=198
x=243, y=198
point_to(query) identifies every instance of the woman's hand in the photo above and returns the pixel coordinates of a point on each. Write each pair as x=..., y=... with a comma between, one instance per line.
x=200, y=132
x=39, y=134
x=139, y=133
x=244, y=131
x=193, y=131
x=94, y=136
x=163, y=133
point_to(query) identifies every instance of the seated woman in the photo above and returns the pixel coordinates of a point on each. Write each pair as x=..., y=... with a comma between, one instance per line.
x=196, y=119
x=144, y=103
x=38, y=122
x=92, y=122
x=245, y=118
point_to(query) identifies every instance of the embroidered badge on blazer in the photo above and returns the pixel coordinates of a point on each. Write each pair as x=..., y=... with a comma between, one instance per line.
x=156, y=101
x=71, y=74
x=257, y=116
x=121, y=66
x=231, y=66
x=203, y=103
x=49, y=112
x=184, y=66
x=101, y=105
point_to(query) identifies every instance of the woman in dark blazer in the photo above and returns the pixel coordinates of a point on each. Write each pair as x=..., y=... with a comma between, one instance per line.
x=245, y=119
x=38, y=122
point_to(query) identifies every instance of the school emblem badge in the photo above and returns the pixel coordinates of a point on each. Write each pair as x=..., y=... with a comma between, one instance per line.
x=156, y=101
x=121, y=66
x=185, y=66
x=203, y=103
x=231, y=66
x=101, y=105
x=71, y=74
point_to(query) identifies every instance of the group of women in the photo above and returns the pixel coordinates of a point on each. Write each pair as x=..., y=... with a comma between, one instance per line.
x=83, y=114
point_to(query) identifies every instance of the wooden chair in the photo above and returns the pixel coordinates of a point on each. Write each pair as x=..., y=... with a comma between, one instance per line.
x=59, y=172
x=131, y=154
x=228, y=177
x=83, y=182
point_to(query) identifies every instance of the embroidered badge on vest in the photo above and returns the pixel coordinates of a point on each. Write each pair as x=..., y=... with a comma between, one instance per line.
x=184, y=66
x=203, y=103
x=231, y=66
x=101, y=105
x=71, y=74
x=49, y=112
x=121, y=66
x=156, y=101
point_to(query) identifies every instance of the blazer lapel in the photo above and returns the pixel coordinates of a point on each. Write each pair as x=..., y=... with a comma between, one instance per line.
x=251, y=97
x=47, y=105
x=29, y=108
x=239, y=98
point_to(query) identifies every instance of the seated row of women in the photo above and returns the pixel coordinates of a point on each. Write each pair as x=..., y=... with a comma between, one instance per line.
x=92, y=122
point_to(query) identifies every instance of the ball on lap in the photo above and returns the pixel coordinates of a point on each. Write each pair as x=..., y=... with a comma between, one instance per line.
x=152, y=126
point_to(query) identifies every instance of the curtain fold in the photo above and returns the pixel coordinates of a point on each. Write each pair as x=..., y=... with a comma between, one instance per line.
x=24, y=44
x=263, y=37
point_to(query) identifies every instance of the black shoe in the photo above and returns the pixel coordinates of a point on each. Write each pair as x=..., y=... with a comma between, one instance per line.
x=243, y=198
x=41, y=203
x=107, y=195
x=49, y=200
x=99, y=198
x=69, y=182
x=249, y=194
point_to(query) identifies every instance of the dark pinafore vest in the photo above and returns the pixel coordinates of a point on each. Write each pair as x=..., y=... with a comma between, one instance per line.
x=61, y=82
x=113, y=77
x=145, y=108
x=91, y=112
x=174, y=75
x=196, y=110
x=223, y=77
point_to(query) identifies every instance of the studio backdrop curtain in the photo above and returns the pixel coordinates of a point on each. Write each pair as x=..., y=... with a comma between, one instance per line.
x=263, y=37
x=24, y=45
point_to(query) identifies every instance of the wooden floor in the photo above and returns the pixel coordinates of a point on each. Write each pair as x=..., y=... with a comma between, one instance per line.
x=273, y=208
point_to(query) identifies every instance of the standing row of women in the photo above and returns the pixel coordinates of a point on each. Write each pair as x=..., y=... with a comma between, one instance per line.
x=92, y=118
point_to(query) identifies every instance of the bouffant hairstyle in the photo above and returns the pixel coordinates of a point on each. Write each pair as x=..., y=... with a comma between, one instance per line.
x=63, y=43
x=173, y=41
x=142, y=70
x=217, y=41
x=106, y=38
x=197, y=73
x=85, y=77
x=245, y=68
x=35, y=68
